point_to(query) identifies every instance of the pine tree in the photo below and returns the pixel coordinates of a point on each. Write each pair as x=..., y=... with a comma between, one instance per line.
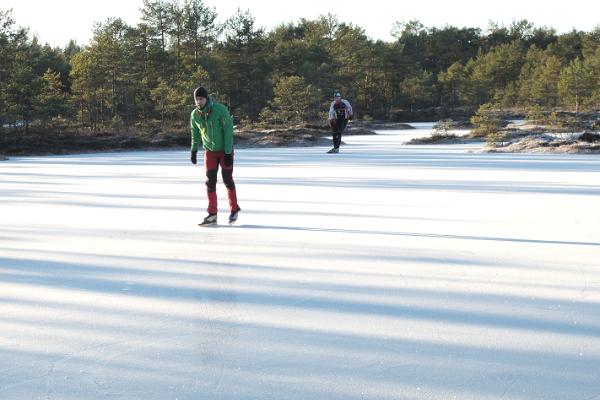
x=294, y=101
x=158, y=17
x=200, y=31
x=52, y=100
x=575, y=85
x=486, y=119
x=451, y=82
x=242, y=68
x=418, y=89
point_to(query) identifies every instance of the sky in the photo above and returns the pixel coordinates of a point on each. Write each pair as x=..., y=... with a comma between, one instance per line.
x=53, y=22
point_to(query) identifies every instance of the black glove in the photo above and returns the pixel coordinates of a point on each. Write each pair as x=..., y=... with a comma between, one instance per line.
x=229, y=160
x=194, y=156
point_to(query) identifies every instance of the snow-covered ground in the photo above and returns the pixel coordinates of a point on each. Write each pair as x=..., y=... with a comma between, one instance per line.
x=422, y=129
x=383, y=272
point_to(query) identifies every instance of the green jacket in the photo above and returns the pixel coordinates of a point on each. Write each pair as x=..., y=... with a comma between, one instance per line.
x=213, y=127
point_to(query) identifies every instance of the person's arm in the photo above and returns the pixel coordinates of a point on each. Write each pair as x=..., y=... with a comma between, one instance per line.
x=227, y=123
x=331, y=111
x=195, y=139
x=349, y=112
x=195, y=133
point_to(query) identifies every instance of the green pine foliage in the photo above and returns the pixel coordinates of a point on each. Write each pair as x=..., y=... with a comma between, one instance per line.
x=536, y=116
x=294, y=101
x=137, y=76
x=486, y=120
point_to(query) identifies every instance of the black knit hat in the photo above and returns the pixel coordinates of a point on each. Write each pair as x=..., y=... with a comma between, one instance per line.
x=200, y=92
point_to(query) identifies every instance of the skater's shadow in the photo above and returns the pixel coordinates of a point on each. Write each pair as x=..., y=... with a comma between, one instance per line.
x=418, y=234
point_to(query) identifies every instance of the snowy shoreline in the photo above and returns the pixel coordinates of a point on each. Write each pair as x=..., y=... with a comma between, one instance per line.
x=87, y=143
x=522, y=138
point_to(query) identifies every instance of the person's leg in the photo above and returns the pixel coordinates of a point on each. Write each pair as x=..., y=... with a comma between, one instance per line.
x=337, y=136
x=341, y=123
x=227, y=174
x=211, y=165
x=334, y=131
x=343, y=126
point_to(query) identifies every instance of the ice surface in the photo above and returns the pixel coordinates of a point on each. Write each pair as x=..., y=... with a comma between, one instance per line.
x=383, y=272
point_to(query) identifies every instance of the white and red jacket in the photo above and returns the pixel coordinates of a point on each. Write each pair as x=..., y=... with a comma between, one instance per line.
x=339, y=109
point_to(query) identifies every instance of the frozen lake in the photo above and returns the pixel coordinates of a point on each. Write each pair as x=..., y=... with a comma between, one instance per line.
x=383, y=272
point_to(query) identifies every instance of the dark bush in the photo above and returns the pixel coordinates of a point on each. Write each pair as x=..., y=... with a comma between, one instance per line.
x=590, y=137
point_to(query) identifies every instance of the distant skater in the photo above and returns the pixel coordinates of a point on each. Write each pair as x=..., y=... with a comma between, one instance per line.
x=340, y=112
x=212, y=127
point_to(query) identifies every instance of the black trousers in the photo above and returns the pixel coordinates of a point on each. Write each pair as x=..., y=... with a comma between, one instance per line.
x=337, y=128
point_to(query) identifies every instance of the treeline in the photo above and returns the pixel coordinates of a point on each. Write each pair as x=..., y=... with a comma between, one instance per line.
x=131, y=76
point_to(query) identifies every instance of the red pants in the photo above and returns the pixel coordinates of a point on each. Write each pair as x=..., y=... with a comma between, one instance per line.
x=212, y=160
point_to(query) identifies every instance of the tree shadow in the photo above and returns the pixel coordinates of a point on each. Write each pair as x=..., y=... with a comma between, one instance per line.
x=193, y=330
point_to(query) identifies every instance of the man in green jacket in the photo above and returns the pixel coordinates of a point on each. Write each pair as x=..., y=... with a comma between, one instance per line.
x=212, y=126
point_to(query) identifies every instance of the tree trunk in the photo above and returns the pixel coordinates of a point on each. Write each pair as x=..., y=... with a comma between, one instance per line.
x=81, y=113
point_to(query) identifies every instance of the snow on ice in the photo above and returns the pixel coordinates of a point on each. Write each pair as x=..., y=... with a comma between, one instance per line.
x=384, y=272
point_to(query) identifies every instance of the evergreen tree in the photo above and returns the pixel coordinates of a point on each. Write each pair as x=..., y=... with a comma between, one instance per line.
x=352, y=55
x=201, y=31
x=13, y=45
x=451, y=82
x=593, y=61
x=242, y=70
x=70, y=50
x=110, y=57
x=486, y=120
x=418, y=89
x=575, y=85
x=21, y=93
x=157, y=15
x=294, y=101
x=538, y=80
x=52, y=99
x=87, y=81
